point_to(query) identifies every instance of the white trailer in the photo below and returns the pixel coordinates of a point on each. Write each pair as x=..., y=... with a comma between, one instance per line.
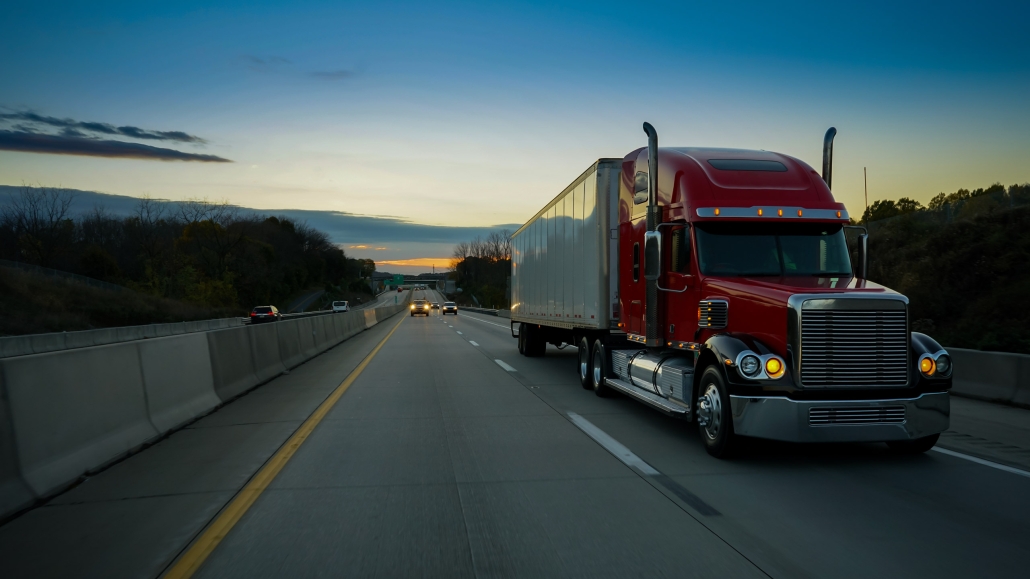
x=564, y=269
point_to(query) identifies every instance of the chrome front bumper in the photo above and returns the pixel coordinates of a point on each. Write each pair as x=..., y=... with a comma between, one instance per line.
x=780, y=418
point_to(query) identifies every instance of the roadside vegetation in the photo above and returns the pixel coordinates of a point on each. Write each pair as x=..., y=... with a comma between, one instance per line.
x=963, y=263
x=203, y=254
x=481, y=268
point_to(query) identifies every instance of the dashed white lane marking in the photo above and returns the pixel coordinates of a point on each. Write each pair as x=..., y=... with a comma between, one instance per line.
x=449, y=326
x=473, y=343
x=981, y=461
x=468, y=317
x=505, y=366
x=613, y=446
x=459, y=332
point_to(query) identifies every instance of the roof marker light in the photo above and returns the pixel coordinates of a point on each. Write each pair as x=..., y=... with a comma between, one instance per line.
x=716, y=211
x=779, y=212
x=799, y=213
x=838, y=214
x=759, y=212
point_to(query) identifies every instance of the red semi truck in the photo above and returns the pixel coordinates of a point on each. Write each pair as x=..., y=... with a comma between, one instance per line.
x=717, y=285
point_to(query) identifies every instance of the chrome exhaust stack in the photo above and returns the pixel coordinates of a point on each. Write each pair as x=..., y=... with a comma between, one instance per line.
x=828, y=155
x=652, y=244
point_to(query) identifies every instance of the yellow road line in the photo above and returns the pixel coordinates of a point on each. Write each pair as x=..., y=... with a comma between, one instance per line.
x=199, y=551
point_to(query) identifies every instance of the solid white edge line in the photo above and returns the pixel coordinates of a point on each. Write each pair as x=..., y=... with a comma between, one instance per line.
x=981, y=461
x=470, y=317
x=473, y=343
x=611, y=445
x=459, y=332
x=505, y=366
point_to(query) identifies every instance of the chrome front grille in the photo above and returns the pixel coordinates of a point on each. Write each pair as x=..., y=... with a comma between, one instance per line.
x=854, y=348
x=859, y=415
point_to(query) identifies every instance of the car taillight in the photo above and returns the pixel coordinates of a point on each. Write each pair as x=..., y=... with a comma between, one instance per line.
x=252, y=314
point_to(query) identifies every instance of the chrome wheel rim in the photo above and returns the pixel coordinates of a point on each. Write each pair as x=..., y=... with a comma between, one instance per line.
x=597, y=369
x=709, y=411
x=584, y=355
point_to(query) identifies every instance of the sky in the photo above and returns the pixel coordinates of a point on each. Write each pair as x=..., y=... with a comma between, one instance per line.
x=474, y=115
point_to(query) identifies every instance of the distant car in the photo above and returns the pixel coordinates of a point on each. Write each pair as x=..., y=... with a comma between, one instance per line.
x=420, y=307
x=449, y=308
x=436, y=305
x=262, y=314
x=341, y=307
x=400, y=289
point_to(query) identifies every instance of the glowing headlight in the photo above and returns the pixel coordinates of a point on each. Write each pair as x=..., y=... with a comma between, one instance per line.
x=750, y=365
x=774, y=367
x=927, y=366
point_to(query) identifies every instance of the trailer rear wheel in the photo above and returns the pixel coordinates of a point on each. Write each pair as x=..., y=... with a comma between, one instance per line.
x=586, y=364
x=714, y=418
x=522, y=339
x=534, y=345
x=600, y=370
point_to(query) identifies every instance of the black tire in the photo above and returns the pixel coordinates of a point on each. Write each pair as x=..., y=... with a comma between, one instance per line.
x=585, y=367
x=714, y=416
x=917, y=446
x=600, y=369
x=534, y=345
x=522, y=339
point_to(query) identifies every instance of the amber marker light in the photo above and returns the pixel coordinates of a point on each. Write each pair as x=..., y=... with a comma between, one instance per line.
x=774, y=368
x=926, y=366
x=799, y=213
x=779, y=212
x=717, y=211
x=759, y=212
x=838, y=214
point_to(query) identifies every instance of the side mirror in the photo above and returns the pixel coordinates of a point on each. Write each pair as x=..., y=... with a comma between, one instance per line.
x=652, y=255
x=863, y=257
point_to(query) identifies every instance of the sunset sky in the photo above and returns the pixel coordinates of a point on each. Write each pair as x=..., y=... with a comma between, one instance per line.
x=469, y=115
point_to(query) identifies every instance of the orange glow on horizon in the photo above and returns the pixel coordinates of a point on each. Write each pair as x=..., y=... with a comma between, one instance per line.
x=440, y=262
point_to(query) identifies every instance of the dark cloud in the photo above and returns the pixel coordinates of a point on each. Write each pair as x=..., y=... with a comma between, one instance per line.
x=71, y=127
x=333, y=74
x=31, y=142
x=263, y=63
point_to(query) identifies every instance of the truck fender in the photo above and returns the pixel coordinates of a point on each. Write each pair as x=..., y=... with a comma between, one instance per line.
x=922, y=344
x=716, y=350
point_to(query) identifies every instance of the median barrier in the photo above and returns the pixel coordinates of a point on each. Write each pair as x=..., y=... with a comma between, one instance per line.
x=321, y=334
x=14, y=493
x=370, y=318
x=264, y=347
x=177, y=378
x=991, y=376
x=74, y=411
x=290, y=351
x=232, y=364
x=306, y=334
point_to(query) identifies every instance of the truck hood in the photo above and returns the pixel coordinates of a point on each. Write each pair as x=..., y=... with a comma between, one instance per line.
x=780, y=288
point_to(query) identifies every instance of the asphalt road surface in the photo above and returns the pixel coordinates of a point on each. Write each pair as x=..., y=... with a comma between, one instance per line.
x=450, y=455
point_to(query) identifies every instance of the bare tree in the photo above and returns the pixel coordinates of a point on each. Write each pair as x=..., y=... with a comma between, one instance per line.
x=145, y=224
x=100, y=228
x=39, y=217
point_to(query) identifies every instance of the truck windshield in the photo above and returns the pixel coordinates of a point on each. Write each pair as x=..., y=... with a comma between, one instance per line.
x=772, y=249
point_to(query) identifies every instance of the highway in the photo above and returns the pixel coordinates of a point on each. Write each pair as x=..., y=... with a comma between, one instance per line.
x=447, y=454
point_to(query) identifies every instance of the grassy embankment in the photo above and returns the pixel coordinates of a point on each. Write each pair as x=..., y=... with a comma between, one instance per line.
x=33, y=303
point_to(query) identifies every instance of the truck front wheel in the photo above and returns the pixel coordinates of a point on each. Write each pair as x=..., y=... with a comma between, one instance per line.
x=586, y=364
x=917, y=446
x=714, y=419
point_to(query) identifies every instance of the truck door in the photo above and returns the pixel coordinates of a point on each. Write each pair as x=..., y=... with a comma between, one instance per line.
x=680, y=307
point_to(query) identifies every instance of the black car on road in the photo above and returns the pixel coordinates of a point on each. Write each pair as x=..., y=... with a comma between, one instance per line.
x=265, y=314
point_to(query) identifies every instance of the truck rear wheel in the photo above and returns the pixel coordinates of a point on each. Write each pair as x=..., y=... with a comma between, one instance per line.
x=586, y=364
x=522, y=339
x=600, y=370
x=917, y=446
x=714, y=418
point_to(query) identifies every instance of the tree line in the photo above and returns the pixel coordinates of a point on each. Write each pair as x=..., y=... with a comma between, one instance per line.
x=887, y=208
x=207, y=253
x=481, y=268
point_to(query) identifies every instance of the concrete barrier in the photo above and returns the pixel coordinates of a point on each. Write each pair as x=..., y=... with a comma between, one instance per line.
x=14, y=493
x=75, y=410
x=264, y=348
x=290, y=351
x=306, y=335
x=320, y=334
x=992, y=376
x=232, y=364
x=177, y=378
x=370, y=318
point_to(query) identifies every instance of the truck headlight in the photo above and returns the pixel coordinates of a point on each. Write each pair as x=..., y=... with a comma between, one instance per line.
x=774, y=367
x=943, y=364
x=750, y=365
